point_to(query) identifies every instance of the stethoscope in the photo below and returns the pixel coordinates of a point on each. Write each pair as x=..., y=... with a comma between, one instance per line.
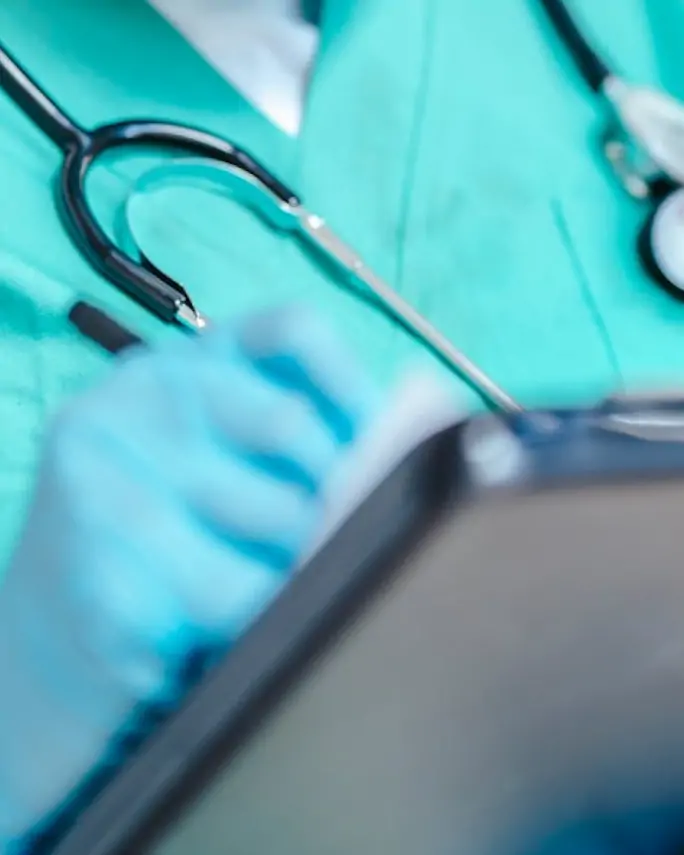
x=209, y=159
x=644, y=145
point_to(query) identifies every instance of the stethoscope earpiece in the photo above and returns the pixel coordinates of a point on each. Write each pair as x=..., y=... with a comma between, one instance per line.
x=661, y=242
x=645, y=139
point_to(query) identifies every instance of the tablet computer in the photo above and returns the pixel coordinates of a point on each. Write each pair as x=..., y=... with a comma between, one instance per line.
x=491, y=646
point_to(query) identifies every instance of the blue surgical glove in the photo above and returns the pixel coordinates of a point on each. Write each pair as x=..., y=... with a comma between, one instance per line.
x=172, y=503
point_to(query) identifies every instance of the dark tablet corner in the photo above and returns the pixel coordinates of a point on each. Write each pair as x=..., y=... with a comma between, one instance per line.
x=173, y=766
x=488, y=646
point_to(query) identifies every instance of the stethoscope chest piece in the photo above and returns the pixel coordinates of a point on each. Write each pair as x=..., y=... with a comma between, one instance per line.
x=644, y=144
x=661, y=244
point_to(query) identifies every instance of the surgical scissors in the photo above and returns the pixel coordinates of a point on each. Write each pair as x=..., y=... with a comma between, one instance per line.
x=273, y=200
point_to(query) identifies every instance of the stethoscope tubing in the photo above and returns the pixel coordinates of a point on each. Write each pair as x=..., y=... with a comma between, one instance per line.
x=35, y=103
x=590, y=65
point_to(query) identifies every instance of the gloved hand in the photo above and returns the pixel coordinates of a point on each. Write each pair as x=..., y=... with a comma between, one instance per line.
x=171, y=505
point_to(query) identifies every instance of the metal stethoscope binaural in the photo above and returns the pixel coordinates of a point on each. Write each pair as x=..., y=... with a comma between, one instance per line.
x=644, y=144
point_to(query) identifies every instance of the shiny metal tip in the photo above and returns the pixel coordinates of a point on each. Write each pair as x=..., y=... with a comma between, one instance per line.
x=189, y=317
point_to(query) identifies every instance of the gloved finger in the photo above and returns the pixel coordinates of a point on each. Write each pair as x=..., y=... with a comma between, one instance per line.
x=296, y=348
x=245, y=505
x=218, y=591
x=185, y=584
x=240, y=501
x=128, y=617
x=147, y=621
x=185, y=385
x=281, y=430
x=239, y=590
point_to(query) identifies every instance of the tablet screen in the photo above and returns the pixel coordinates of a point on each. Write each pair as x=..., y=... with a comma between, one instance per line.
x=525, y=668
